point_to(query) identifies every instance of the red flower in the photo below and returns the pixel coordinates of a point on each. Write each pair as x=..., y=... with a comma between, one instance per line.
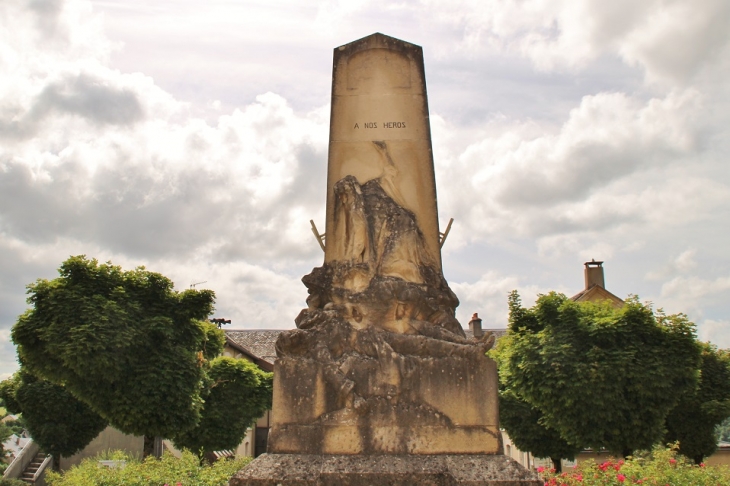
x=540, y=469
x=621, y=478
x=672, y=461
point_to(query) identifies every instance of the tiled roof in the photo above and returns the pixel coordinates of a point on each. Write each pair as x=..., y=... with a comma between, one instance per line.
x=261, y=342
x=597, y=293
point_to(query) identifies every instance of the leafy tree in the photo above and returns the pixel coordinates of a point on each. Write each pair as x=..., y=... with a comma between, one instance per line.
x=138, y=353
x=523, y=422
x=5, y=432
x=123, y=342
x=237, y=393
x=8, y=389
x=16, y=426
x=58, y=422
x=722, y=431
x=601, y=377
x=693, y=421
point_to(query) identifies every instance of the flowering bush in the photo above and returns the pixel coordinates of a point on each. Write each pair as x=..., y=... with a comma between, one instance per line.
x=662, y=467
x=168, y=471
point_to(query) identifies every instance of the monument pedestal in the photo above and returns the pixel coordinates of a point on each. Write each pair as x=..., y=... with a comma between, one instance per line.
x=381, y=470
x=357, y=407
x=341, y=390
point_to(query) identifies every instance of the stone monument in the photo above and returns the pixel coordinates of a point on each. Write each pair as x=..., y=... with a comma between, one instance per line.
x=379, y=385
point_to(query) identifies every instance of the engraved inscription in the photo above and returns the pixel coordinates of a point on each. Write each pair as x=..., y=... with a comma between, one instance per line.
x=400, y=124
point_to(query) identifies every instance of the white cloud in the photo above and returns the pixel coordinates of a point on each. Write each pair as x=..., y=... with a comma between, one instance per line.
x=584, y=178
x=4, y=336
x=488, y=297
x=692, y=294
x=672, y=40
x=194, y=142
x=683, y=263
x=715, y=331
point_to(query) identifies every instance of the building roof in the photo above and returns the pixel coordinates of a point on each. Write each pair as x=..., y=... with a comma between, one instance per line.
x=260, y=344
x=257, y=343
x=14, y=444
x=597, y=293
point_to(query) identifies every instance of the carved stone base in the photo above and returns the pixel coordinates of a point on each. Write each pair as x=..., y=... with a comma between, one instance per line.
x=349, y=391
x=392, y=470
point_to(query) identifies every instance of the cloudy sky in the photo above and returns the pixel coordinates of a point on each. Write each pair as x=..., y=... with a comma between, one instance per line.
x=191, y=137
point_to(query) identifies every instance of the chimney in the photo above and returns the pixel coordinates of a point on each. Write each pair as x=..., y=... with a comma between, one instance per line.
x=475, y=325
x=594, y=274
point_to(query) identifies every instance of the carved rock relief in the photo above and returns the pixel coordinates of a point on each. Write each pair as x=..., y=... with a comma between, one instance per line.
x=382, y=304
x=377, y=378
x=383, y=276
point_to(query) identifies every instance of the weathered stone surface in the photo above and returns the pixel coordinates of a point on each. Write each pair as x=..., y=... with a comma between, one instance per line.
x=379, y=129
x=382, y=264
x=422, y=470
x=385, y=277
x=343, y=390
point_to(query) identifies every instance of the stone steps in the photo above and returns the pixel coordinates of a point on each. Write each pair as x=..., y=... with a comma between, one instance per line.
x=33, y=467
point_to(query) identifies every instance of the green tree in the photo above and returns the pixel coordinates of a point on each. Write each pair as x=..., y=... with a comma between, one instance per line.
x=693, y=421
x=722, y=431
x=16, y=426
x=5, y=432
x=138, y=353
x=601, y=377
x=237, y=393
x=8, y=389
x=123, y=342
x=523, y=422
x=58, y=422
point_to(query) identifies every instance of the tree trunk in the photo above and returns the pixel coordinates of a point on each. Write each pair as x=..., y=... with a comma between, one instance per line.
x=698, y=459
x=557, y=464
x=157, y=447
x=152, y=446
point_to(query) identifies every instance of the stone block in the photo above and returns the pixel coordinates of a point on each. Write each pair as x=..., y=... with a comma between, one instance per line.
x=387, y=402
x=384, y=470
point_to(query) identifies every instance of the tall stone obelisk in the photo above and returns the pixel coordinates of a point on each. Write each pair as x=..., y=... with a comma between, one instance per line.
x=379, y=385
x=380, y=130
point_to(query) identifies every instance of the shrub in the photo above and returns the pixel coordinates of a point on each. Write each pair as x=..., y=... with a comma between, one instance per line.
x=12, y=482
x=170, y=471
x=659, y=468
